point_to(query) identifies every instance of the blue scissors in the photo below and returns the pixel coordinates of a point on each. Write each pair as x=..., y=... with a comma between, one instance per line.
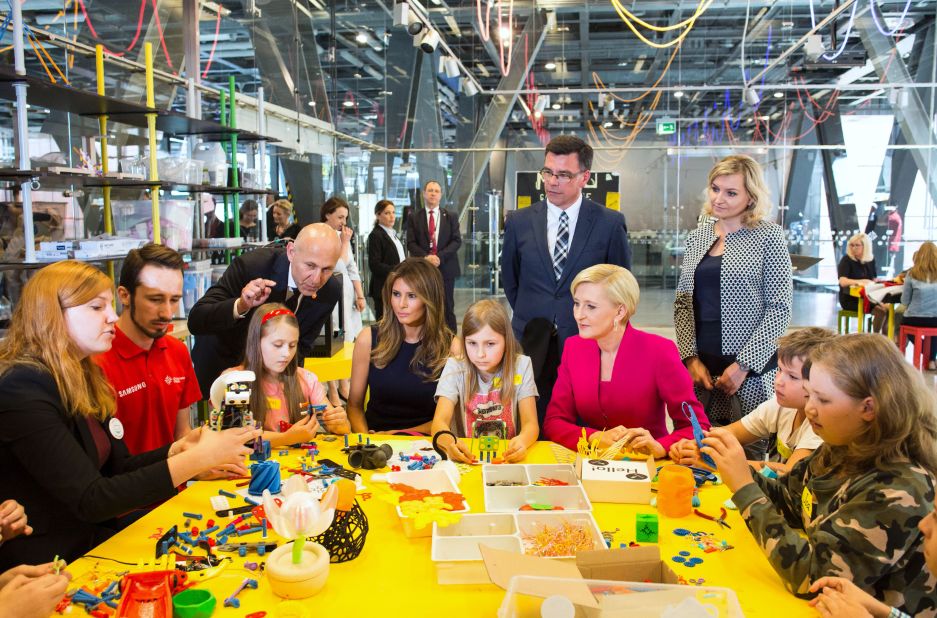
x=697, y=433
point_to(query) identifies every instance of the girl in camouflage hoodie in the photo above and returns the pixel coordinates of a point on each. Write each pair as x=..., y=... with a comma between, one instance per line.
x=851, y=509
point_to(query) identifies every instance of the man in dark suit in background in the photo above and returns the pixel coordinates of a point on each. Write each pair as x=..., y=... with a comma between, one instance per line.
x=548, y=243
x=298, y=275
x=433, y=233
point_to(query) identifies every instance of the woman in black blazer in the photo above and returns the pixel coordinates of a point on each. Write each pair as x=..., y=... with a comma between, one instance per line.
x=384, y=252
x=61, y=450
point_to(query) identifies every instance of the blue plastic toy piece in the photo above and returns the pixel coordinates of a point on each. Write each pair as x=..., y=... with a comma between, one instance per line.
x=768, y=473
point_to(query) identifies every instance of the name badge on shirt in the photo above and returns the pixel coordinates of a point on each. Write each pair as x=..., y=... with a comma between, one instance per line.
x=806, y=505
x=784, y=450
x=273, y=403
x=496, y=382
x=116, y=428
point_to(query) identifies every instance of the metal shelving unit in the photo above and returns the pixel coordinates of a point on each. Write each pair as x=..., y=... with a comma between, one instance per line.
x=15, y=84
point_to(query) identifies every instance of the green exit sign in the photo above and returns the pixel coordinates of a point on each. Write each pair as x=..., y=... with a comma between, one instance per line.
x=666, y=126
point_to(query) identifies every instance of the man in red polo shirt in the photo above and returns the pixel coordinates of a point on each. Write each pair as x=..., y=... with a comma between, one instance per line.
x=151, y=373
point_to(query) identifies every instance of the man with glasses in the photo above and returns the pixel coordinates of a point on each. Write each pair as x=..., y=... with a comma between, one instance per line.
x=547, y=244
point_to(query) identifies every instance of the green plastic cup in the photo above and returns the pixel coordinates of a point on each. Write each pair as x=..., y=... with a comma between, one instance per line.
x=193, y=604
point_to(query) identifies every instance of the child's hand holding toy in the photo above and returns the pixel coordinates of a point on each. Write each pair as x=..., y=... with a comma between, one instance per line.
x=684, y=452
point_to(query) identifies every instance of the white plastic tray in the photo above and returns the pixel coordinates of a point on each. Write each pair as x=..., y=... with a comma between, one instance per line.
x=509, y=499
x=528, y=596
x=455, y=548
x=436, y=480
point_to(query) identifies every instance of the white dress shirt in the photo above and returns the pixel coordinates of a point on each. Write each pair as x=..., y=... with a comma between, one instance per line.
x=553, y=222
x=393, y=236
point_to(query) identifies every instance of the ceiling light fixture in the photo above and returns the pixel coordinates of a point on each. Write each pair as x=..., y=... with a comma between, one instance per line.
x=550, y=66
x=778, y=94
x=678, y=94
x=751, y=97
x=429, y=41
x=414, y=25
x=469, y=87
x=451, y=67
x=362, y=38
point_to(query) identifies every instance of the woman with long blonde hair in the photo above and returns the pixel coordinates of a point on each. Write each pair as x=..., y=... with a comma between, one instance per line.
x=398, y=360
x=919, y=295
x=63, y=457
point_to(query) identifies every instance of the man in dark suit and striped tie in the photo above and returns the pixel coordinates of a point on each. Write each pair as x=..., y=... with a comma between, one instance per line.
x=548, y=243
x=299, y=275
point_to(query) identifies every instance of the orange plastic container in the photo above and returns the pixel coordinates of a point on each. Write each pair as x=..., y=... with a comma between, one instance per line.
x=675, y=485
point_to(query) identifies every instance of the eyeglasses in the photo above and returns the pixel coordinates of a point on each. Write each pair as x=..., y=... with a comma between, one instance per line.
x=561, y=177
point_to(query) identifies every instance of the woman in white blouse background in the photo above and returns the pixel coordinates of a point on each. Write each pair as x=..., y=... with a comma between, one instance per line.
x=335, y=213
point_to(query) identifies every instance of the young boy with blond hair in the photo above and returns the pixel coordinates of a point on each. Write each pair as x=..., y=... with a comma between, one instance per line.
x=783, y=416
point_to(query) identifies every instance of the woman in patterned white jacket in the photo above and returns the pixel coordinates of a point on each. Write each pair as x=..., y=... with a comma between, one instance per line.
x=734, y=294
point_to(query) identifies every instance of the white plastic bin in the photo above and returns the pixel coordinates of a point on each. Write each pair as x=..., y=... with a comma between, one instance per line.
x=527, y=596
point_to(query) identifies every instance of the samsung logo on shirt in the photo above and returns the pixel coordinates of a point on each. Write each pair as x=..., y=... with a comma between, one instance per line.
x=131, y=389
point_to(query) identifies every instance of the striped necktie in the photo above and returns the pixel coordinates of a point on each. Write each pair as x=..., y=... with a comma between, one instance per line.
x=561, y=249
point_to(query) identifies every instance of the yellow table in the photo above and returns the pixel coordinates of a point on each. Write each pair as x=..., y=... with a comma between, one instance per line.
x=337, y=367
x=856, y=291
x=394, y=575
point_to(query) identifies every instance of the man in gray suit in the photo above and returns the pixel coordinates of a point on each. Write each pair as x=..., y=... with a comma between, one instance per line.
x=547, y=244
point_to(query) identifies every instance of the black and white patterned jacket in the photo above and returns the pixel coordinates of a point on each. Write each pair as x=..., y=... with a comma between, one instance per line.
x=756, y=287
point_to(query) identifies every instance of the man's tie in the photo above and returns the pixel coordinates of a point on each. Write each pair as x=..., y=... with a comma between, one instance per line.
x=292, y=299
x=561, y=249
x=432, y=233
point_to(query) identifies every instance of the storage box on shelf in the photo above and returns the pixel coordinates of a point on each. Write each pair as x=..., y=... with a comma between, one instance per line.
x=41, y=93
x=133, y=218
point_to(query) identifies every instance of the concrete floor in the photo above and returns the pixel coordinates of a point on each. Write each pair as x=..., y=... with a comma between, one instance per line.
x=655, y=309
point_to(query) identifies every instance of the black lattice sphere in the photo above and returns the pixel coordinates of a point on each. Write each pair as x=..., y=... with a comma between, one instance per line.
x=344, y=539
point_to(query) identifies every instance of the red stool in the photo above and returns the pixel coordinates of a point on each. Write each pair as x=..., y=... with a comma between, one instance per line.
x=922, y=335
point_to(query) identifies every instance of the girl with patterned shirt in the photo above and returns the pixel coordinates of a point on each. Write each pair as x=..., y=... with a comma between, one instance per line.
x=852, y=508
x=488, y=387
x=282, y=386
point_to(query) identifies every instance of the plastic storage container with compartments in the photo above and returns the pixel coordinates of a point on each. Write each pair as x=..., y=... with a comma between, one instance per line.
x=455, y=548
x=512, y=487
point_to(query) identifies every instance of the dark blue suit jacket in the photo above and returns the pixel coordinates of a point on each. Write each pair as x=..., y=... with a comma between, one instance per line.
x=448, y=241
x=601, y=237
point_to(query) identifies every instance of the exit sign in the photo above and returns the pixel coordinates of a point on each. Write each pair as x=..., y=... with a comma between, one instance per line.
x=666, y=126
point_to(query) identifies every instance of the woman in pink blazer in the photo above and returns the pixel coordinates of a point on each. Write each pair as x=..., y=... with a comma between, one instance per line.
x=614, y=379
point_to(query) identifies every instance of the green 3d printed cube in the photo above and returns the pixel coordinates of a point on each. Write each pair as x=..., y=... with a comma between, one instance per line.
x=646, y=527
